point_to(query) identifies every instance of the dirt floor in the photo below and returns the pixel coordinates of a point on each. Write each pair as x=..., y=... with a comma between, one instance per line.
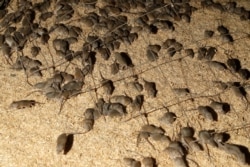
x=28, y=136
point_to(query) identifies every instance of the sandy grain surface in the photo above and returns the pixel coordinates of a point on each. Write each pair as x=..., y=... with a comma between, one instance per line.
x=28, y=136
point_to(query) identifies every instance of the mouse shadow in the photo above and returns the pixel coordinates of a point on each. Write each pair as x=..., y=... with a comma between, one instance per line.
x=69, y=143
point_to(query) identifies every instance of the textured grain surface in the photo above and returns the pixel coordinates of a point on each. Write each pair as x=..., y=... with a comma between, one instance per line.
x=28, y=136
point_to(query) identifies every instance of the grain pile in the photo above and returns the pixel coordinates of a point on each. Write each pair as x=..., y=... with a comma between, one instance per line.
x=125, y=83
